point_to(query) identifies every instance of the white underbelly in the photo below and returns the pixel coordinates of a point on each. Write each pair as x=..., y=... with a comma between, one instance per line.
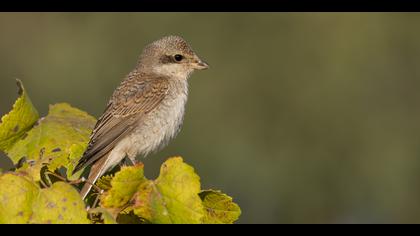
x=158, y=128
x=154, y=131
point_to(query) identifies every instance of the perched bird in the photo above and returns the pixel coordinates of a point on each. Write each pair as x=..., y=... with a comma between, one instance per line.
x=146, y=111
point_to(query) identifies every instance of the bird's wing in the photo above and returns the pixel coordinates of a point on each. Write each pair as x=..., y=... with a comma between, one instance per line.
x=130, y=102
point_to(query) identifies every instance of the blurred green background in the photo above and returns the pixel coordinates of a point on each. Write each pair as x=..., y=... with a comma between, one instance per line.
x=302, y=118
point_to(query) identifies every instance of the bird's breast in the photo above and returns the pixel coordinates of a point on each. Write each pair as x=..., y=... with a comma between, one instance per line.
x=160, y=125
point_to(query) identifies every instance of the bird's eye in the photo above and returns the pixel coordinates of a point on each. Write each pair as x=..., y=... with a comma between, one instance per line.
x=178, y=57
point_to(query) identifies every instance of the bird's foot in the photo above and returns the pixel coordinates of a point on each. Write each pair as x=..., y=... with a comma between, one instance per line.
x=130, y=161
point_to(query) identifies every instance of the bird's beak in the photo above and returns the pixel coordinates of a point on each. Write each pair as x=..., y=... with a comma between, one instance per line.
x=200, y=65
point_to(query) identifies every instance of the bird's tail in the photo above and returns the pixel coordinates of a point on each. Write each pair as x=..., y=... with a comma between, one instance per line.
x=95, y=172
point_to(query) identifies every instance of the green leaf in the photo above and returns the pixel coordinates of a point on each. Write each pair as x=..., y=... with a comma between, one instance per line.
x=17, y=193
x=220, y=209
x=104, y=182
x=123, y=186
x=174, y=196
x=21, y=118
x=59, y=139
x=22, y=201
x=58, y=205
x=57, y=142
x=178, y=187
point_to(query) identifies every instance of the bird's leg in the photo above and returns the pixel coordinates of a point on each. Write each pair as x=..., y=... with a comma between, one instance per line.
x=133, y=160
x=95, y=187
x=127, y=161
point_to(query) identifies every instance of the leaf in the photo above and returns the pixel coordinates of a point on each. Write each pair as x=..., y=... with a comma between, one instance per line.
x=21, y=118
x=104, y=216
x=123, y=186
x=56, y=142
x=22, y=201
x=174, y=194
x=58, y=205
x=220, y=209
x=171, y=198
x=130, y=218
x=17, y=193
x=174, y=197
x=59, y=139
x=104, y=182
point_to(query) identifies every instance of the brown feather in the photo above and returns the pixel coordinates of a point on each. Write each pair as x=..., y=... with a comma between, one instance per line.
x=132, y=99
x=93, y=176
x=126, y=122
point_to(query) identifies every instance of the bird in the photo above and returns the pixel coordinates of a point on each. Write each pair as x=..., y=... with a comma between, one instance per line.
x=145, y=111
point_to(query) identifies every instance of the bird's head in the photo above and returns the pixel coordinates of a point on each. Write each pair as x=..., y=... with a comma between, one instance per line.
x=171, y=56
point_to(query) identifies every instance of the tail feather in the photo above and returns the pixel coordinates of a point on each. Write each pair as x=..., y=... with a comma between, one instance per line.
x=95, y=172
